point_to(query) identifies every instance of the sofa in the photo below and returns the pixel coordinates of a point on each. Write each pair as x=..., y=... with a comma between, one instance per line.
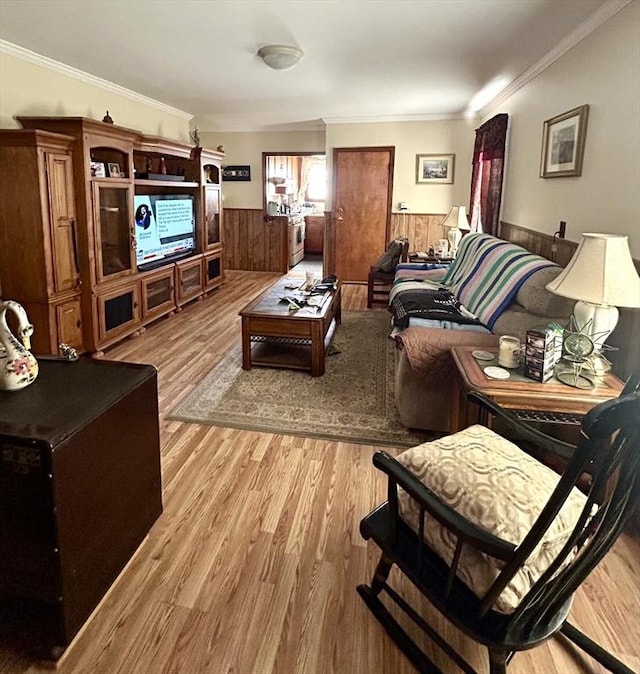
x=493, y=288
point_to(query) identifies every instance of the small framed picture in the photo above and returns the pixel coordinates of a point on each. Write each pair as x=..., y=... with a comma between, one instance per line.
x=563, y=139
x=97, y=169
x=237, y=173
x=434, y=168
x=114, y=170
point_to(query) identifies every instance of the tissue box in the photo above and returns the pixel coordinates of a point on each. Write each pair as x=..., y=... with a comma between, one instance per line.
x=543, y=349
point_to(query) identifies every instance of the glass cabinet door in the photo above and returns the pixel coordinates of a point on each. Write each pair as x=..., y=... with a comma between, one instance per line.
x=212, y=215
x=157, y=293
x=114, y=235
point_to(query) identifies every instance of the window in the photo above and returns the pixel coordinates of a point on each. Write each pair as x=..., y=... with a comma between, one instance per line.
x=317, y=186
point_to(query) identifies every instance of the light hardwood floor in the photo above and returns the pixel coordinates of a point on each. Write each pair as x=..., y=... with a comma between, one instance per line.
x=253, y=565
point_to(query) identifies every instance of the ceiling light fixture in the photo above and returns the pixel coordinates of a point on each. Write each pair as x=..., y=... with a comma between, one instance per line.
x=280, y=56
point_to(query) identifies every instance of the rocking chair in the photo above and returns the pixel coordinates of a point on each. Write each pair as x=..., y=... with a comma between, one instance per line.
x=497, y=541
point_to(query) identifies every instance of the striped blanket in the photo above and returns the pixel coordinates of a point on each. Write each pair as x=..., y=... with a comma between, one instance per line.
x=487, y=274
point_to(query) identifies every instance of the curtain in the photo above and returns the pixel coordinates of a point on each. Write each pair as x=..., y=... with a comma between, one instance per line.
x=305, y=168
x=486, y=174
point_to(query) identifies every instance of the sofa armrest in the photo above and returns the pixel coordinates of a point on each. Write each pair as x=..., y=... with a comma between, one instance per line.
x=428, y=349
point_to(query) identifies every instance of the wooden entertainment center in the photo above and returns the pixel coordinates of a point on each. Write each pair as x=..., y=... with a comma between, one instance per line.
x=67, y=233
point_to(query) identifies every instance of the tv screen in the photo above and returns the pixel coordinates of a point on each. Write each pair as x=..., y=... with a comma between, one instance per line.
x=165, y=228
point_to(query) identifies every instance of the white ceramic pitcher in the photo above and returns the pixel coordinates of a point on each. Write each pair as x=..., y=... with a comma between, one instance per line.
x=18, y=366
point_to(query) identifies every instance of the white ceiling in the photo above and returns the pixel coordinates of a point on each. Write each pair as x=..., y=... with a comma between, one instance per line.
x=402, y=59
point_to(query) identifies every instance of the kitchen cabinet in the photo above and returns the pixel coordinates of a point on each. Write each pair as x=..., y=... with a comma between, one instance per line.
x=314, y=240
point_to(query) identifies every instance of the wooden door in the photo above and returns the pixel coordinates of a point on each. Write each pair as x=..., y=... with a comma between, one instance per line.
x=69, y=322
x=63, y=221
x=362, y=187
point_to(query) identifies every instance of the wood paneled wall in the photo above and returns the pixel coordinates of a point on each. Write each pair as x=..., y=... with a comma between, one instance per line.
x=539, y=243
x=422, y=229
x=253, y=243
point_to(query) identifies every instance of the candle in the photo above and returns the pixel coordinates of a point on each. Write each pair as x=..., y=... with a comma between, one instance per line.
x=509, y=352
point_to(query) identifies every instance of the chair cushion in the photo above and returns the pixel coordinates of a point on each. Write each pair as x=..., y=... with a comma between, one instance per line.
x=498, y=487
x=389, y=259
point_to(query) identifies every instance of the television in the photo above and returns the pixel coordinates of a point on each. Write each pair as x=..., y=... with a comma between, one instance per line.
x=164, y=228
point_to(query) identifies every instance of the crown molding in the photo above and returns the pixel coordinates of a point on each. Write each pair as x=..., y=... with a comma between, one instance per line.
x=372, y=119
x=588, y=26
x=45, y=62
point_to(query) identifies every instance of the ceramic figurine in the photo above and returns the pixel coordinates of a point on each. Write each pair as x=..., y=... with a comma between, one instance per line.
x=18, y=366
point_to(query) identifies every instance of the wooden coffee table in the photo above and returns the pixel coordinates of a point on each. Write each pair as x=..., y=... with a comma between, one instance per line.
x=274, y=336
x=551, y=402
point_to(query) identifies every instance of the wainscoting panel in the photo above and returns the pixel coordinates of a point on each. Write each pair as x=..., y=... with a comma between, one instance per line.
x=422, y=229
x=538, y=243
x=251, y=244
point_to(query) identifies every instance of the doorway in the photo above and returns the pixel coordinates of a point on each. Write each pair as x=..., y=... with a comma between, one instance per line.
x=295, y=187
x=362, y=193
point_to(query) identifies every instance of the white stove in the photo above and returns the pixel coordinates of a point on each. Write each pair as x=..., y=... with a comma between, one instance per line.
x=296, y=239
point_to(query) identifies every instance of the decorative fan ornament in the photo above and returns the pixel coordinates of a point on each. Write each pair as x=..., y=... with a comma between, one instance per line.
x=578, y=346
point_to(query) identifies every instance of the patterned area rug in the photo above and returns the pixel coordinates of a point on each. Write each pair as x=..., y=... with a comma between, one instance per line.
x=352, y=402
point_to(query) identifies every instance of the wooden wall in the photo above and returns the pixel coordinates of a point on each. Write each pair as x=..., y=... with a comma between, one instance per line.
x=538, y=243
x=422, y=229
x=253, y=244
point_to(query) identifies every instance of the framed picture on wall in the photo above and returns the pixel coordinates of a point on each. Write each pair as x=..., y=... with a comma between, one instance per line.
x=236, y=173
x=434, y=168
x=563, y=139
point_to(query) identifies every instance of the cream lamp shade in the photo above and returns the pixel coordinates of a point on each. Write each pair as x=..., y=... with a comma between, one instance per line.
x=456, y=221
x=280, y=56
x=601, y=276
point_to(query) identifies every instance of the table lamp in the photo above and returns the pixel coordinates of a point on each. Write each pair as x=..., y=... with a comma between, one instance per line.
x=601, y=276
x=456, y=221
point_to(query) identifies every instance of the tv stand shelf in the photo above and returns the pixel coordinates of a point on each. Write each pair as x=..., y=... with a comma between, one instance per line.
x=143, y=182
x=90, y=289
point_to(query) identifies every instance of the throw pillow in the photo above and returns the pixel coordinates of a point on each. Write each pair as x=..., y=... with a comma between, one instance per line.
x=387, y=262
x=499, y=488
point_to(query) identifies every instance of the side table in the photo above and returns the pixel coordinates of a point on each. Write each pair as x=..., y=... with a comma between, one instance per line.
x=425, y=257
x=80, y=487
x=551, y=402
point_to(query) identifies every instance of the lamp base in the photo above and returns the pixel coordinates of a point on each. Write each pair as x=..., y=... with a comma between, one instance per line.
x=454, y=235
x=595, y=320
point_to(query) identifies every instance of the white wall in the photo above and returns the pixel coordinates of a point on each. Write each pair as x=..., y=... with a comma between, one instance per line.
x=246, y=148
x=602, y=71
x=30, y=89
x=409, y=139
